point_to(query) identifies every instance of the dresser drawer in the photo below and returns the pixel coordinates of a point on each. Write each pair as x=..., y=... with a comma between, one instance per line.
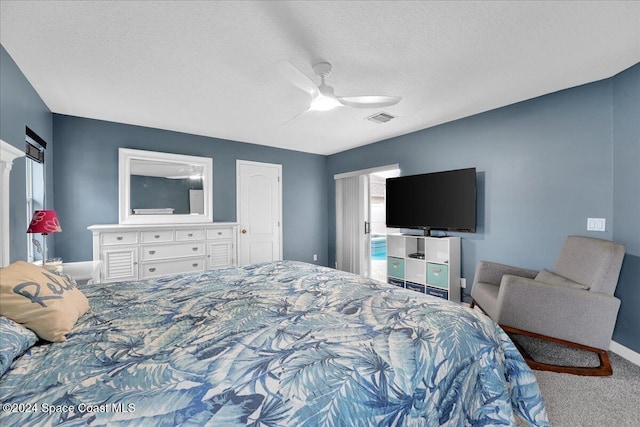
x=186, y=235
x=172, y=267
x=219, y=233
x=178, y=250
x=156, y=236
x=124, y=238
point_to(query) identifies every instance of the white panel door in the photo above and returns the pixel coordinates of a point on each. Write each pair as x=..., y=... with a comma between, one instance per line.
x=259, y=207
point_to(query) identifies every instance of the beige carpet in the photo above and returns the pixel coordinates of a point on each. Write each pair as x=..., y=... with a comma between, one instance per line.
x=573, y=400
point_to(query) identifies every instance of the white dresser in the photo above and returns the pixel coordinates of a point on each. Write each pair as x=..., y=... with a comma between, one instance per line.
x=130, y=252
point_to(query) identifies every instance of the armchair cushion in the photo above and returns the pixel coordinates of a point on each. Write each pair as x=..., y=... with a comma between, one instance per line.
x=486, y=284
x=555, y=279
x=492, y=272
x=574, y=315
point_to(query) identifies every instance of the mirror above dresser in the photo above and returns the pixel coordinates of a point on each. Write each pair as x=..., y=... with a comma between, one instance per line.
x=164, y=188
x=165, y=220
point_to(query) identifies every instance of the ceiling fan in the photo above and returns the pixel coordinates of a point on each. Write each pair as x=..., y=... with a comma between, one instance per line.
x=323, y=97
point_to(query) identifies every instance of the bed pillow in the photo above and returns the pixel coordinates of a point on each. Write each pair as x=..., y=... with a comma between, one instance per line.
x=15, y=340
x=554, y=279
x=44, y=302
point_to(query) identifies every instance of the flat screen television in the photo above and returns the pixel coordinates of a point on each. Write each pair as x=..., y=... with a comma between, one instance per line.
x=433, y=201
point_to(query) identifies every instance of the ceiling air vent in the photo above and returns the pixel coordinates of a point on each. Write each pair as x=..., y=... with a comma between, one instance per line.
x=381, y=117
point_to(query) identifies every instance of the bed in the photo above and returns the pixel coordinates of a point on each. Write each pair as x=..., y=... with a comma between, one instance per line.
x=272, y=344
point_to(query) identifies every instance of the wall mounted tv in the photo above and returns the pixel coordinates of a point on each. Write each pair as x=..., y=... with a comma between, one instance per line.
x=433, y=201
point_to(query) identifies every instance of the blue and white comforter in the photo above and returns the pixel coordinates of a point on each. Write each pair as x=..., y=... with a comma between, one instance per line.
x=277, y=344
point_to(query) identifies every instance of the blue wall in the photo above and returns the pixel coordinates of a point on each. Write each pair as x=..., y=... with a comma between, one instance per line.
x=626, y=201
x=86, y=182
x=21, y=106
x=544, y=166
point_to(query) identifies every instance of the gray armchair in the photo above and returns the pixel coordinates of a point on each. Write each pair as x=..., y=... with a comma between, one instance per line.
x=573, y=305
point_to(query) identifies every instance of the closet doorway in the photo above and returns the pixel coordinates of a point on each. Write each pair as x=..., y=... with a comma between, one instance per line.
x=360, y=221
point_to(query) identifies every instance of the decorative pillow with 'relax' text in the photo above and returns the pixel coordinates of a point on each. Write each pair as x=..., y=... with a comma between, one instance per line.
x=44, y=302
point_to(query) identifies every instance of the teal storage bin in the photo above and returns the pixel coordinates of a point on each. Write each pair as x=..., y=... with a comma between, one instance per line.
x=438, y=275
x=395, y=267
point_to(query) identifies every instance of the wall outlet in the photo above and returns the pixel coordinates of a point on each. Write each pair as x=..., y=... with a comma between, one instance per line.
x=463, y=283
x=315, y=257
x=596, y=224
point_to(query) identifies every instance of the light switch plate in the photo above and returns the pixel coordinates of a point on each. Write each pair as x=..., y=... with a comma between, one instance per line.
x=596, y=224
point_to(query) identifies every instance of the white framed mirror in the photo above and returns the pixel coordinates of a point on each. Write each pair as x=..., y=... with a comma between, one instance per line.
x=158, y=188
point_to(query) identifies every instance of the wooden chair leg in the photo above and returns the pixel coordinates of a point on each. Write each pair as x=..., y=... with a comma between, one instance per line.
x=603, y=370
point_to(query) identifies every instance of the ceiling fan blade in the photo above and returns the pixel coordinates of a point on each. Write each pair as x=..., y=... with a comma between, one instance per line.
x=297, y=115
x=369, y=101
x=298, y=78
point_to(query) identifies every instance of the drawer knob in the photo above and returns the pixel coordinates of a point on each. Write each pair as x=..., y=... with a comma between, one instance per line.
x=119, y=238
x=194, y=265
x=190, y=234
x=244, y=231
x=152, y=269
x=157, y=236
x=219, y=233
x=152, y=252
x=194, y=249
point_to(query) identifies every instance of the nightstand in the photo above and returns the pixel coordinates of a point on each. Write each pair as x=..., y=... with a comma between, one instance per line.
x=84, y=271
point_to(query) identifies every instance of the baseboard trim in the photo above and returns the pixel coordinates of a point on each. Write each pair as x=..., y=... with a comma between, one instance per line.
x=625, y=352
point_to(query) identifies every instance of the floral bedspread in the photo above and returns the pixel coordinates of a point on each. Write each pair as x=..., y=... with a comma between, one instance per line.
x=274, y=344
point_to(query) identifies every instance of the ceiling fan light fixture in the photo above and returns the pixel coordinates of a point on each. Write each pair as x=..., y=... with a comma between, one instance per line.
x=324, y=103
x=323, y=97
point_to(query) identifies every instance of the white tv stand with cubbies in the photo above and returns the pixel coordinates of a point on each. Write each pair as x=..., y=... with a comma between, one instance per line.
x=429, y=265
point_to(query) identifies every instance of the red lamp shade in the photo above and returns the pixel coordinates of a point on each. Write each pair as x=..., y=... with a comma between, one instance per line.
x=44, y=222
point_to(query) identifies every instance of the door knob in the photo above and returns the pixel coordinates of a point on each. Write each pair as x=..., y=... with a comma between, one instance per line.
x=244, y=231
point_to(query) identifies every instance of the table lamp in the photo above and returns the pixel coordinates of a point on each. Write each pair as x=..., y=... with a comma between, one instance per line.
x=44, y=222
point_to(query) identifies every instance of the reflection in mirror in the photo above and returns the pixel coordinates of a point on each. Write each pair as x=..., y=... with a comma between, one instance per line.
x=162, y=187
x=166, y=188
x=35, y=201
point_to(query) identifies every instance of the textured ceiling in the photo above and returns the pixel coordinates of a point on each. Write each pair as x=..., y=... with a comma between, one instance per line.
x=210, y=68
